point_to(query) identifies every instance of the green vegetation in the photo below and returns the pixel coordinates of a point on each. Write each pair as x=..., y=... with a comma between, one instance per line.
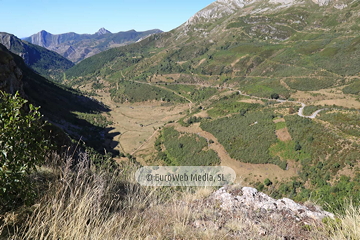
x=288, y=150
x=263, y=54
x=139, y=92
x=23, y=146
x=347, y=122
x=310, y=84
x=185, y=149
x=192, y=92
x=96, y=119
x=308, y=110
x=229, y=105
x=353, y=88
x=322, y=154
x=246, y=138
x=280, y=125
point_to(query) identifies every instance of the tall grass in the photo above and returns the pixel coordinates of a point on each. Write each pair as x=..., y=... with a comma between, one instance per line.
x=347, y=225
x=87, y=203
x=80, y=201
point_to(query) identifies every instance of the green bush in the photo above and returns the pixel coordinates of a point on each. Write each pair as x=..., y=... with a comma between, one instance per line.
x=22, y=146
x=267, y=182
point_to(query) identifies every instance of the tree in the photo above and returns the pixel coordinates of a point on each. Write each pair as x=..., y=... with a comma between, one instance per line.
x=23, y=146
x=274, y=96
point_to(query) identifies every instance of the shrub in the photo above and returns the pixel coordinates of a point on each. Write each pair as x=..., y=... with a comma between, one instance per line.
x=22, y=146
x=267, y=182
x=274, y=96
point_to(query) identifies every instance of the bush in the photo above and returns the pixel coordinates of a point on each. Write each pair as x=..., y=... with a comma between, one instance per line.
x=274, y=96
x=267, y=182
x=22, y=147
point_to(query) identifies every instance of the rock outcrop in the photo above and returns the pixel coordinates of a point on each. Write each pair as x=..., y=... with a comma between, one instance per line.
x=250, y=198
x=102, y=31
x=243, y=211
x=222, y=8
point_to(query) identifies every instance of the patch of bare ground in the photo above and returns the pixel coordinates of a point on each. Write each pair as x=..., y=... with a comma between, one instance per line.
x=279, y=120
x=283, y=134
x=137, y=123
x=202, y=114
x=248, y=171
x=146, y=153
x=251, y=100
x=327, y=96
x=165, y=77
x=346, y=171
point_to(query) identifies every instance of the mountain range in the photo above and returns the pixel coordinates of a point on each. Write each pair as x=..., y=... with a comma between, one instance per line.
x=47, y=63
x=76, y=47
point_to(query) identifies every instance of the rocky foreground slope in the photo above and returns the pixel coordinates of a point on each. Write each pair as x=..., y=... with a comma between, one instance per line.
x=243, y=211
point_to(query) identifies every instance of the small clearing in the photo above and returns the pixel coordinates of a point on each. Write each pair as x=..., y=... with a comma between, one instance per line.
x=283, y=134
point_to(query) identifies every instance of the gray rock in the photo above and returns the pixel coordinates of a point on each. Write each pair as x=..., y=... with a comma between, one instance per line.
x=253, y=199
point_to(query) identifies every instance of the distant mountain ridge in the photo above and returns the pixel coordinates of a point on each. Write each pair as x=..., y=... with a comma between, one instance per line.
x=77, y=47
x=45, y=62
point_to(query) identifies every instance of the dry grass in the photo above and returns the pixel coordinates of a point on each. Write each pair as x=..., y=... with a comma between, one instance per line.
x=83, y=202
x=347, y=226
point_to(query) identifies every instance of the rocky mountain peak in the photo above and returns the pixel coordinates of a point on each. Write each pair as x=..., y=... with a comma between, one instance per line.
x=43, y=32
x=222, y=8
x=102, y=31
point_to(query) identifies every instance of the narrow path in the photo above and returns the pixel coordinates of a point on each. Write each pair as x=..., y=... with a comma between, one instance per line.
x=300, y=112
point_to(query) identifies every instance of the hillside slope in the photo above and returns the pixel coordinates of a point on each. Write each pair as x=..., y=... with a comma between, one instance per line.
x=303, y=51
x=260, y=46
x=79, y=116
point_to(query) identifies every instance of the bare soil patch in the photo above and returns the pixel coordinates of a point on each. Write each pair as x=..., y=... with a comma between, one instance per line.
x=251, y=100
x=279, y=120
x=283, y=134
x=136, y=123
x=328, y=96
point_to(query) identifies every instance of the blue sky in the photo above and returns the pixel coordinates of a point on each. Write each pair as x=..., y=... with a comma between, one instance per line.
x=26, y=17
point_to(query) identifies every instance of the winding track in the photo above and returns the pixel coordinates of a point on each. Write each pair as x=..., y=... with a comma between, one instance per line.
x=300, y=112
x=312, y=116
